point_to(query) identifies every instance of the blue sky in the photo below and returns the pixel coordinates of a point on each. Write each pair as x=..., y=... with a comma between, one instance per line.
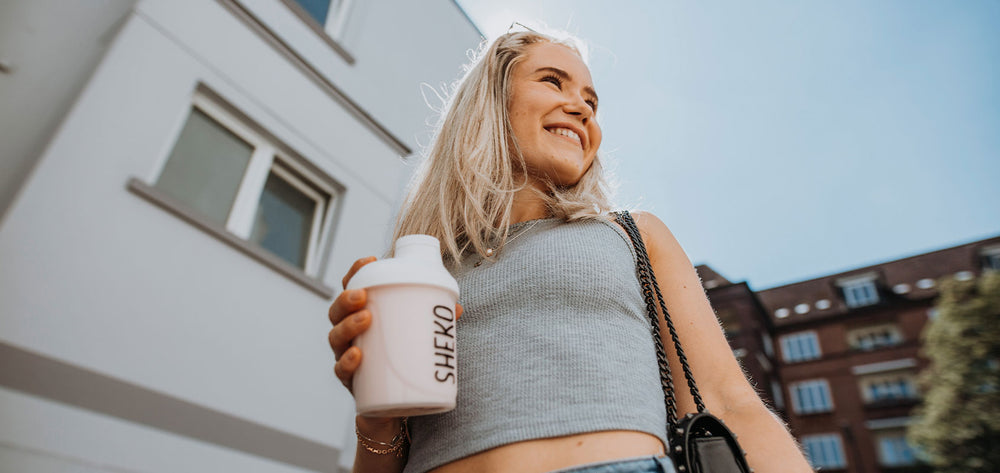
x=782, y=141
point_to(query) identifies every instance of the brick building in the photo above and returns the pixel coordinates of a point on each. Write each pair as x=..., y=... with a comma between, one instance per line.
x=838, y=356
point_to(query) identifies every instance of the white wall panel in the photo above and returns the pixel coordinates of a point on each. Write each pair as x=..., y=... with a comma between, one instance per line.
x=101, y=282
x=39, y=436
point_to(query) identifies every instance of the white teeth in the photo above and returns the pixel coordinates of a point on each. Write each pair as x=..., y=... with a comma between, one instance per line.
x=566, y=132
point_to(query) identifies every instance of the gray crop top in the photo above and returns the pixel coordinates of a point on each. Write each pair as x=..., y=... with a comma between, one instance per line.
x=554, y=341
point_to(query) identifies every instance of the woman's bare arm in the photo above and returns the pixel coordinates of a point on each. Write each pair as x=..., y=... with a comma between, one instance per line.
x=724, y=389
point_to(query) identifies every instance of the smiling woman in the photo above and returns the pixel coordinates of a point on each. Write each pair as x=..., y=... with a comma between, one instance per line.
x=553, y=109
x=558, y=370
x=526, y=93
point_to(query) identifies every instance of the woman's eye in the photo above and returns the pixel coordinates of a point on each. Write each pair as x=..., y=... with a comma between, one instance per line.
x=593, y=105
x=553, y=79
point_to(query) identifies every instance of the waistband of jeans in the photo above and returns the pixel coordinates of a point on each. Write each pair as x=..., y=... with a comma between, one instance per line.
x=664, y=462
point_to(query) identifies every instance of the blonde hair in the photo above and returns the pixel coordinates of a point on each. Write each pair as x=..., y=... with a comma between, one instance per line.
x=463, y=191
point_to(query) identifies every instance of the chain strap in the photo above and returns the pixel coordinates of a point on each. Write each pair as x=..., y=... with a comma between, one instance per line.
x=650, y=289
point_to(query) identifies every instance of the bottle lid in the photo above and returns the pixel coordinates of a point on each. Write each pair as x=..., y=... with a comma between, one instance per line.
x=417, y=261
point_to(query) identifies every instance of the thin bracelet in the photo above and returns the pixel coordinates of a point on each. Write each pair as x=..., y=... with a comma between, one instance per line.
x=394, y=446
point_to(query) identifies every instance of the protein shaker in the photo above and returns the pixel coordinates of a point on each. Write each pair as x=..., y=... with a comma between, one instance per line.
x=409, y=353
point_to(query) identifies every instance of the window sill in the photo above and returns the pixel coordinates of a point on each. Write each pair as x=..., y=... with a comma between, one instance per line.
x=887, y=403
x=160, y=199
x=801, y=361
x=813, y=413
x=871, y=349
x=863, y=306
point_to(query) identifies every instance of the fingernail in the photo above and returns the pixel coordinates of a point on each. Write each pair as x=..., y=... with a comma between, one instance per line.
x=354, y=296
x=361, y=317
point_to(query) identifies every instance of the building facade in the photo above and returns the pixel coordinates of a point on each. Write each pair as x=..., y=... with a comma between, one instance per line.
x=184, y=183
x=839, y=356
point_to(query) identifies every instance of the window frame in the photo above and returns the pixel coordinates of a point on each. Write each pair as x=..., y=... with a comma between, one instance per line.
x=906, y=381
x=868, y=283
x=808, y=441
x=786, y=340
x=854, y=336
x=768, y=343
x=336, y=17
x=895, y=437
x=269, y=155
x=797, y=401
x=308, y=189
x=777, y=395
x=267, y=158
x=331, y=30
x=990, y=258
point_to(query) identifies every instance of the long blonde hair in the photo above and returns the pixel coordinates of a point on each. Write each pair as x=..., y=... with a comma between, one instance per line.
x=463, y=191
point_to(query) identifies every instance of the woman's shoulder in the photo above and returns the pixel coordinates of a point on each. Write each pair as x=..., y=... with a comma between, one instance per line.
x=648, y=223
x=657, y=237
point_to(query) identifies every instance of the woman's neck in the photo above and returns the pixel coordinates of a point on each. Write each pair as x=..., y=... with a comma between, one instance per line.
x=528, y=205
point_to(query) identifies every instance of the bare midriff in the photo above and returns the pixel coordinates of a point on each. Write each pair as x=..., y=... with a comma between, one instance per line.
x=543, y=455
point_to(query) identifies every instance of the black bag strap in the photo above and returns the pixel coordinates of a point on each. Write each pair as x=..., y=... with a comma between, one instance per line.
x=651, y=289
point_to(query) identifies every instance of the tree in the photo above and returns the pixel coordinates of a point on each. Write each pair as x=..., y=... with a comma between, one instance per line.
x=958, y=426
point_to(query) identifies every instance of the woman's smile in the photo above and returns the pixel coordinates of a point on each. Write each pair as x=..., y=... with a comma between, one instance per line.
x=566, y=132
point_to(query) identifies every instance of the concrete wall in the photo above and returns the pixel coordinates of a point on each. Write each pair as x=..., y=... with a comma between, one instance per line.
x=130, y=340
x=49, y=48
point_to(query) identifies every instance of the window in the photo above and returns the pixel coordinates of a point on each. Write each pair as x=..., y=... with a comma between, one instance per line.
x=871, y=338
x=824, y=451
x=888, y=387
x=893, y=450
x=801, y=346
x=730, y=320
x=768, y=344
x=206, y=167
x=810, y=397
x=779, y=399
x=317, y=9
x=328, y=13
x=240, y=179
x=860, y=291
x=991, y=258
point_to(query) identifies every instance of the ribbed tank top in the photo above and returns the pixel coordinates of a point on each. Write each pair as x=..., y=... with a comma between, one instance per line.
x=554, y=341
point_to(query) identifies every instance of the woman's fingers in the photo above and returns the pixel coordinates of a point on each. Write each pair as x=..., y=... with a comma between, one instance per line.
x=354, y=268
x=347, y=303
x=344, y=332
x=346, y=366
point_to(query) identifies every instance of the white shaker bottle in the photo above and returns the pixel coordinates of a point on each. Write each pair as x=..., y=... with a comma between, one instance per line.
x=409, y=357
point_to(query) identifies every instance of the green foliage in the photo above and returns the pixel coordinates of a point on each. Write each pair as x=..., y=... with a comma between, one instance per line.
x=958, y=426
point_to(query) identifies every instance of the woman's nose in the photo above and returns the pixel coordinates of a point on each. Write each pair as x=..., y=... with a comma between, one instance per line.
x=578, y=106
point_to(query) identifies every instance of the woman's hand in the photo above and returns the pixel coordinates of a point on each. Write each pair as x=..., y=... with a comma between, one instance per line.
x=350, y=318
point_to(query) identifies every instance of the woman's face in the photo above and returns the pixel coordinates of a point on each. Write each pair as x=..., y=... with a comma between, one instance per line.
x=552, y=112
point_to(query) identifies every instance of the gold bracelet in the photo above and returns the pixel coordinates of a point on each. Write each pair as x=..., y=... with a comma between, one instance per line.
x=394, y=446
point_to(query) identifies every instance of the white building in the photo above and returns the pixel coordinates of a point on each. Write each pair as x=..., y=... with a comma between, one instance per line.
x=182, y=185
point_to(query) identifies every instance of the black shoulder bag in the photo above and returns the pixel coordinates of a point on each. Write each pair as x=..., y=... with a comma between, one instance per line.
x=700, y=442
